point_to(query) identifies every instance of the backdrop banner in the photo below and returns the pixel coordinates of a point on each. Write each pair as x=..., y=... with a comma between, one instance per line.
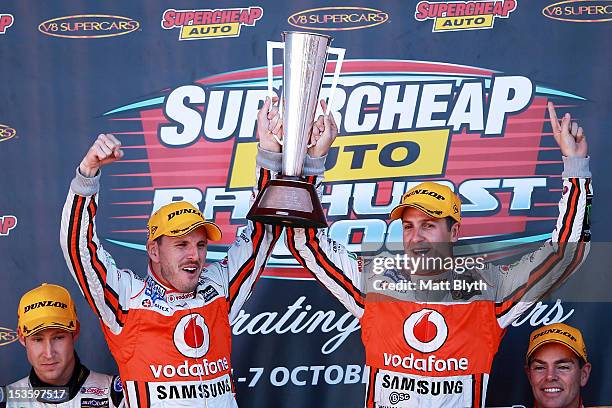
x=448, y=91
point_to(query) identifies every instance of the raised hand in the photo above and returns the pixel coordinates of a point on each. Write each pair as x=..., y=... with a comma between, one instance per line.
x=569, y=136
x=106, y=149
x=324, y=132
x=269, y=124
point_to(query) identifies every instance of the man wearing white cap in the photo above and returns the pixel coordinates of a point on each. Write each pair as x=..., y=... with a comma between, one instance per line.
x=48, y=328
x=169, y=332
x=557, y=366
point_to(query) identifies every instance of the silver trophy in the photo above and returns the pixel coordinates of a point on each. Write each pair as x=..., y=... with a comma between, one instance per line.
x=289, y=199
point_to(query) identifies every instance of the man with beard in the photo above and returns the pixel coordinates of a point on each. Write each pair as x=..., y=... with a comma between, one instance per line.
x=428, y=342
x=170, y=331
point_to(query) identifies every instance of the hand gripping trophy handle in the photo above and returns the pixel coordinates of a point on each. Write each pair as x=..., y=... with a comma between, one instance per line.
x=289, y=200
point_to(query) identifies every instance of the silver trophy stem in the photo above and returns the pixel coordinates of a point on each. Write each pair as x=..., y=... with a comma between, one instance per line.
x=290, y=200
x=305, y=56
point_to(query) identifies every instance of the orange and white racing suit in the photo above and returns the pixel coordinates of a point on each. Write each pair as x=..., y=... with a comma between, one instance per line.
x=172, y=349
x=425, y=352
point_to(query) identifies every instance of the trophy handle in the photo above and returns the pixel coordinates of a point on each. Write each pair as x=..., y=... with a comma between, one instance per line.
x=339, y=53
x=271, y=46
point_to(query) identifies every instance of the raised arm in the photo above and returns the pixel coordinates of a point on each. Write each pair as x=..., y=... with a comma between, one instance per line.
x=338, y=270
x=248, y=255
x=538, y=273
x=106, y=288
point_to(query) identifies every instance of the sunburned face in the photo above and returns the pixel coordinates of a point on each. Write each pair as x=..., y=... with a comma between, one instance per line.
x=556, y=377
x=51, y=354
x=427, y=236
x=178, y=261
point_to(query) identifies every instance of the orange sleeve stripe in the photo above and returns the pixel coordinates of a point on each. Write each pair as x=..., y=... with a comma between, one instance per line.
x=331, y=269
x=276, y=235
x=536, y=276
x=292, y=249
x=298, y=257
x=533, y=278
x=264, y=177
x=142, y=394
x=371, y=387
x=111, y=298
x=570, y=215
x=477, y=390
x=572, y=266
x=247, y=267
x=73, y=249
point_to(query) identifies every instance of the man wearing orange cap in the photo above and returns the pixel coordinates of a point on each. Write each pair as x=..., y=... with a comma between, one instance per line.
x=169, y=332
x=431, y=332
x=557, y=366
x=48, y=328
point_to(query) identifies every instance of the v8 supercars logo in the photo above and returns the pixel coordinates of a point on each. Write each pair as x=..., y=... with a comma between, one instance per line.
x=580, y=11
x=338, y=18
x=205, y=24
x=463, y=15
x=88, y=26
x=482, y=133
x=7, y=336
x=7, y=132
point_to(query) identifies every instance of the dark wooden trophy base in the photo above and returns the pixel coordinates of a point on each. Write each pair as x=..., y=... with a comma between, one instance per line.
x=289, y=201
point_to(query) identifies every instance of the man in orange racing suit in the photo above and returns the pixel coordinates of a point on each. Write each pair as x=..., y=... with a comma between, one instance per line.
x=434, y=348
x=169, y=332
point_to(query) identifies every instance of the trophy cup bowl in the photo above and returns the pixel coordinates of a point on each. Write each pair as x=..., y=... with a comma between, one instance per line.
x=289, y=199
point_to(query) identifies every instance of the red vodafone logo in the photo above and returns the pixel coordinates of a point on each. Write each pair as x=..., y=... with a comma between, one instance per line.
x=425, y=330
x=191, y=336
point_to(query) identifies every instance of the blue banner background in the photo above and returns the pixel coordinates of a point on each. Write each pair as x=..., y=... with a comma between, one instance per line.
x=56, y=89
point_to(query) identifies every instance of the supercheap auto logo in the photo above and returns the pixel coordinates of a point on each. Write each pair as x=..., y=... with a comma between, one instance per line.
x=463, y=15
x=6, y=21
x=485, y=134
x=580, y=11
x=7, y=224
x=88, y=26
x=7, y=132
x=205, y=24
x=338, y=18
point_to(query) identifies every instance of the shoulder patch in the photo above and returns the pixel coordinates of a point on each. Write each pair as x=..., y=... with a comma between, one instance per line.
x=209, y=293
x=94, y=403
x=117, y=384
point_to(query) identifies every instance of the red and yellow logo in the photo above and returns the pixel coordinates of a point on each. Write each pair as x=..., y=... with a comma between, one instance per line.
x=463, y=15
x=7, y=223
x=206, y=24
x=6, y=20
x=197, y=142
